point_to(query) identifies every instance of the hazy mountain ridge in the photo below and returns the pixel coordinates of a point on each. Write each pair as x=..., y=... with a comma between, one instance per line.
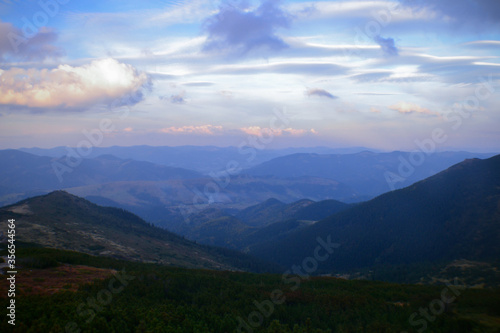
x=203, y=159
x=23, y=172
x=366, y=172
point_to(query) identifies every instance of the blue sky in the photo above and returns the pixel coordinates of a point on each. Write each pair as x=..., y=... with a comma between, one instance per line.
x=379, y=74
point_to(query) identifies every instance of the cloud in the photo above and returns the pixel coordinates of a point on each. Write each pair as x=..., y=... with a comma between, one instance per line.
x=371, y=77
x=264, y=131
x=408, y=108
x=177, y=99
x=198, y=84
x=101, y=81
x=203, y=129
x=320, y=93
x=475, y=14
x=483, y=44
x=311, y=68
x=14, y=44
x=238, y=30
x=387, y=45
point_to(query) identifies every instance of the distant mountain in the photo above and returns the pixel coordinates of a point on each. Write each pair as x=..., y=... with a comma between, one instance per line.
x=170, y=203
x=368, y=173
x=262, y=214
x=64, y=221
x=452, y=215
x=224, y=231
x=205, y=159
x=319, y=210
x=273, y=210
x=268, y=221
x=27, y=174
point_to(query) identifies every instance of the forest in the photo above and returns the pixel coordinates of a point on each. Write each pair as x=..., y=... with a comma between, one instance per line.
x=139, y=297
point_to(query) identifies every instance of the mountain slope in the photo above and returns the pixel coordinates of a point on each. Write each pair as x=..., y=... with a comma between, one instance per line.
x=61, y=220
x=319, y=210
x=452, y=215
x=263, y=213
x=273, y=210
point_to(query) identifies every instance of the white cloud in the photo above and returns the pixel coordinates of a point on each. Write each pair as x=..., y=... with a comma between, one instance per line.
x=101, y=81
x=203, y=129
x=407, y=108
x=264, y=131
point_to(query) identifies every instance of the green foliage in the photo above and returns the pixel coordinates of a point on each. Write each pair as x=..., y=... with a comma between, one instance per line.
x=166, y=299
x=39, y=261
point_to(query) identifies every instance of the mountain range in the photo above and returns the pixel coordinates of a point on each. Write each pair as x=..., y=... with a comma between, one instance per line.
x=256, y=225
x=204, y=159
x=453, y=216
x=449, y=216
x=369, y=174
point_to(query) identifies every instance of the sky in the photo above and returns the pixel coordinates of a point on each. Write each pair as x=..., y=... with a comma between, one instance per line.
x=388, y=75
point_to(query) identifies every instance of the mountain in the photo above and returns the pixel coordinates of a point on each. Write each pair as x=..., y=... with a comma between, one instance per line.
x=64, y=221
x=253, y=226
x=452, y=215
x=263, y=213
x=170, y=203
x=224, y=231
x=319, y=210
x=204, y=159
x=273, y=210
x=25, y=174
x=368, y=173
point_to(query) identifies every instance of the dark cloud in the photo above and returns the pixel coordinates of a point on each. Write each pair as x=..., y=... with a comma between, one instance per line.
x=237, y=30
x=387, y=45
x=16, y=45
x=475, y=14
x=320, y=93
x=177, y=99
x=174, y=99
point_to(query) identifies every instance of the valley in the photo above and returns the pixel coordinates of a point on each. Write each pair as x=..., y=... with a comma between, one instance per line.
x=281, y=246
